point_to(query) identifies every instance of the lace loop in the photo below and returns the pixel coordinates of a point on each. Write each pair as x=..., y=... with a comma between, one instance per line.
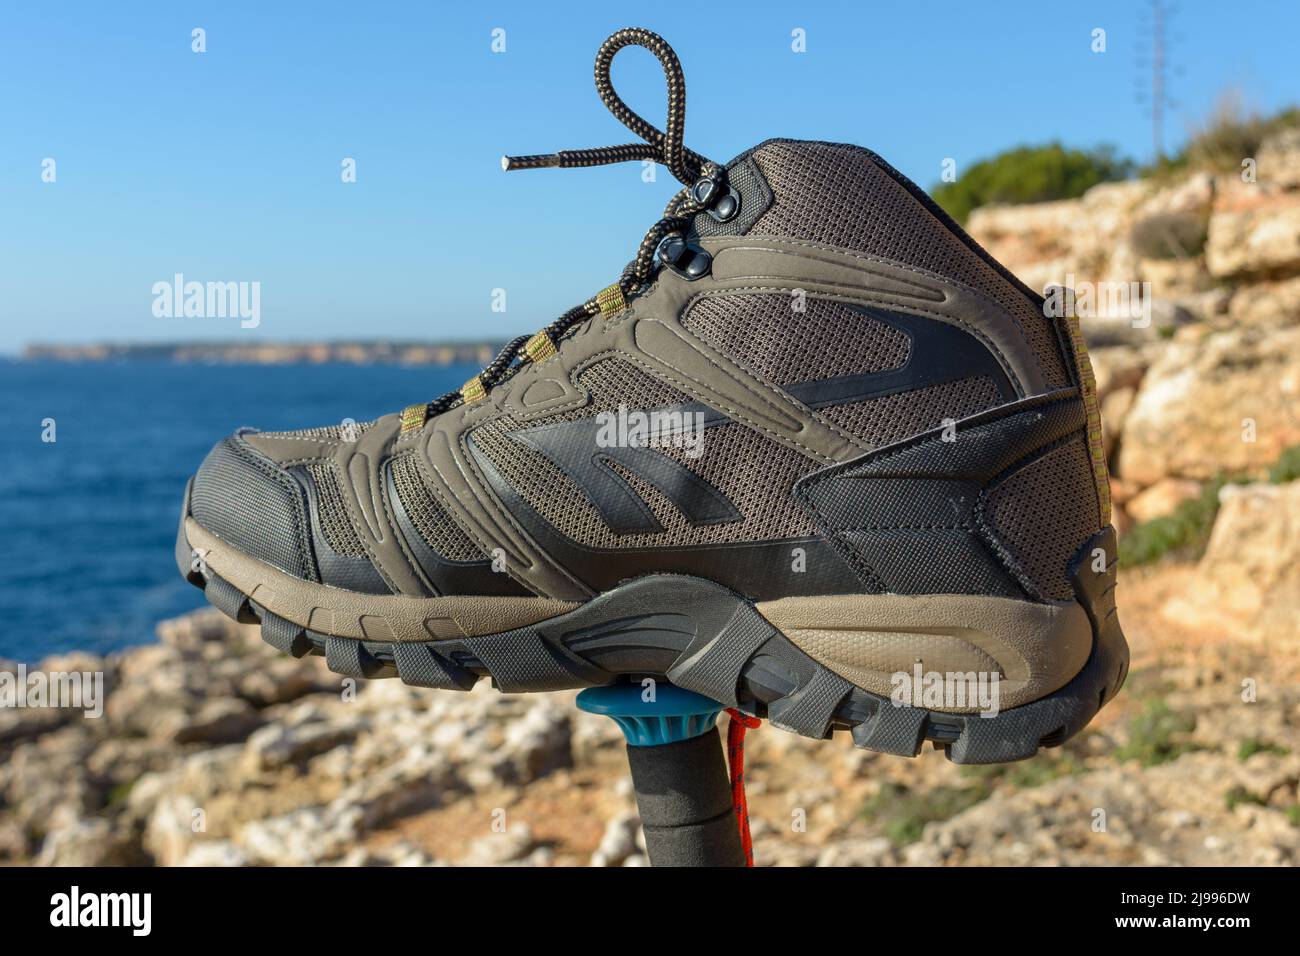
x=685, y=164
x=660, y=146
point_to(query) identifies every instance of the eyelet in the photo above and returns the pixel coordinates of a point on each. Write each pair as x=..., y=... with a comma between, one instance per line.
x=722, y=206
x=677, y=255
x=726, y=208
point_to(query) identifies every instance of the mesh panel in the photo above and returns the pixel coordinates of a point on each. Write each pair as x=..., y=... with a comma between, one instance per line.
x=837, y=195
x=613, y=382
x=436, y=527
x=326, y=432
x=253, y=505
x=1044, y=512
x=332, y=512
x=763, y=333
x=754, y=473
x=535, y=478
x=882, y=421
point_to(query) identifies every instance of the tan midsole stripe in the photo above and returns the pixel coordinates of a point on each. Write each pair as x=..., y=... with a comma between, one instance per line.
x=867, y=638
x=393, y=617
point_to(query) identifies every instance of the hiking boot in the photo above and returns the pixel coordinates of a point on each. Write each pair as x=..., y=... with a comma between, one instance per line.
x=815, y=455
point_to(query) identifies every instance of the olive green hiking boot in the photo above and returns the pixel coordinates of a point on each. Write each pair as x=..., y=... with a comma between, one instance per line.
x=814, y=455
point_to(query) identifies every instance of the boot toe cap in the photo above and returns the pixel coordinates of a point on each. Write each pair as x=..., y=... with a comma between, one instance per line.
x=255, y=505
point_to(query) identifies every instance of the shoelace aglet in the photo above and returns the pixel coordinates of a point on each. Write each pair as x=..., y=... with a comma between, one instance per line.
x=529, y=162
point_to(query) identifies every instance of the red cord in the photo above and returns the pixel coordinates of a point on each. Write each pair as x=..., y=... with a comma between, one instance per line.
x=736, y=762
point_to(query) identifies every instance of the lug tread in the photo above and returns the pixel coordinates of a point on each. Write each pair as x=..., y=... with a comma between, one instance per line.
x=285, y=636
x=729, y=653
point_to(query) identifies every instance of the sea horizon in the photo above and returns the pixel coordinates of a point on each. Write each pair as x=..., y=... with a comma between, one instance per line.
x=91, y=515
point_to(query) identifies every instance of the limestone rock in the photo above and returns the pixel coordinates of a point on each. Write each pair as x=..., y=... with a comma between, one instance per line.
x=512, y=845
x=1114, y=410
x=92, y=841
x=1249, y=581
x=1201, y=402
x=302, y=838
x=294, y=741
x=619, y=841
x=1117, y=367
x=875, y=851
x=1279, y=160
x=215, y=853
x=1268, y=303
x=1162, y=498
x=539, y=743
x=1260, y=240
x=214, y=722
x=169, y=833
x=418, y=780
x=18, y=724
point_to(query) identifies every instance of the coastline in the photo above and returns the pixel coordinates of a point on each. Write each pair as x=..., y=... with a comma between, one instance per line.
x=353, y=352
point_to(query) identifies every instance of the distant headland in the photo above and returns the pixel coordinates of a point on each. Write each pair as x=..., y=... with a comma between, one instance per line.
x=360, y=352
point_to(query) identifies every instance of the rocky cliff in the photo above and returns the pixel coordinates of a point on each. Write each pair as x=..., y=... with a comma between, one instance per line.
x=214, y=750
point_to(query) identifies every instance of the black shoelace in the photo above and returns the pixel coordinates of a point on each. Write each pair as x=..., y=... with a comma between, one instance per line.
x=665, y=147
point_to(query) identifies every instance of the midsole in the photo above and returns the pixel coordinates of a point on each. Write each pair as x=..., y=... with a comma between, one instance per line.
x=374, y=617
x=869, y=639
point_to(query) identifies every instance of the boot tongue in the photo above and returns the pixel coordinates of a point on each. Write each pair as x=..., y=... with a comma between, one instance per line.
x=803, y=183
x=749, y=194
x=832, y=193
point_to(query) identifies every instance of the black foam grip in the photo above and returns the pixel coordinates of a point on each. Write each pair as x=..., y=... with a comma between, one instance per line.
x=683, y=793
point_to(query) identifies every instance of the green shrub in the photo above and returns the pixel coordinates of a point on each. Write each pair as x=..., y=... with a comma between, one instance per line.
x=1184, y=533
x=1040, y=769
x=1172, y=235
x=1254, y=745
x=903, y=813
x=1030, y=174
x=1287, y=466
x=1155, y=736
x=1239, y=795
x=1232, y=132
x=120, y=793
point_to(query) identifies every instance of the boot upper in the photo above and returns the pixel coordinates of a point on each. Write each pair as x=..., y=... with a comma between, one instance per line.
x=839, y=313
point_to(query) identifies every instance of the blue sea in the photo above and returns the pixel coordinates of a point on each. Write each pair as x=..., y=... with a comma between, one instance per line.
x=88, y=521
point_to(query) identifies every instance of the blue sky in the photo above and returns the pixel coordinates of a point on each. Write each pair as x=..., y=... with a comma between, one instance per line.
x=225, y=165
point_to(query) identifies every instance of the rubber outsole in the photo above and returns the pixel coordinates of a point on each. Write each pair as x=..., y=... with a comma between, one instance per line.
x=722, y=648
